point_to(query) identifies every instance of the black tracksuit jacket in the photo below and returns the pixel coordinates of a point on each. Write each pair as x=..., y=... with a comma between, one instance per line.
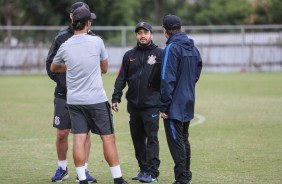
x=135, y=71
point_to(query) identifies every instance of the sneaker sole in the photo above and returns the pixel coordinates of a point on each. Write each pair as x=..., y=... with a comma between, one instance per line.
x=87, y=180
x=142, y=181
x=64, y=178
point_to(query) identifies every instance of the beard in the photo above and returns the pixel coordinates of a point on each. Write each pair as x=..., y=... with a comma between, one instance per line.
x=144, y=43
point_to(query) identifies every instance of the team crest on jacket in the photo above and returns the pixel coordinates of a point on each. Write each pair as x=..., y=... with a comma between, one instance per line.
x=151, y=59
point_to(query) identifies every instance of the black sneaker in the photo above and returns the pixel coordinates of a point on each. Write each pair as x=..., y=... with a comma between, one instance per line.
x=60, y=175
x=83, y=182
x=138, y=176
x=120, y=181
x=147, y=178
x=189, y=177
x=176, y=182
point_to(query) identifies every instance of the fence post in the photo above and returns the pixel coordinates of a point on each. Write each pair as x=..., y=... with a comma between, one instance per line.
x=123, y=37
x=243, y=42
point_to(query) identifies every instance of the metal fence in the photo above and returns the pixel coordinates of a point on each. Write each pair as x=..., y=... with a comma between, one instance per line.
x=248, y=48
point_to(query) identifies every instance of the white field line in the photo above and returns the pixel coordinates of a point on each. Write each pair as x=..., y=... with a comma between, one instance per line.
x=201, y=119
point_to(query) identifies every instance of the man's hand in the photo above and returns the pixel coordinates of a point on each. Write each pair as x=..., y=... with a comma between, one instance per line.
x=115, y=106
x=164, y=115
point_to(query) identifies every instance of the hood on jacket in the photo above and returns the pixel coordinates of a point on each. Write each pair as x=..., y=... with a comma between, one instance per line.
x=182, y=40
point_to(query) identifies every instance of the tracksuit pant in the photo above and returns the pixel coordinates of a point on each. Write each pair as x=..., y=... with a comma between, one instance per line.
x=144, y=127
x=177, y=138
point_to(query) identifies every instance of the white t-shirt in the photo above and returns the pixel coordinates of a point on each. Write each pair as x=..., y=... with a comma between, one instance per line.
x=82, y=55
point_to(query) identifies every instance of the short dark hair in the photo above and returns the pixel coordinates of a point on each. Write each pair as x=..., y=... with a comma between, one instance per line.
x=78, y=26
x=80, y=18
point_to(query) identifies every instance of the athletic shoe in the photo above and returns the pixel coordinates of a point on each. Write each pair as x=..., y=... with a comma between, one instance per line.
x=89, y=178
x=147, y=178
x=83, y=182
x=120, y=181
x=176, y=182
x=138, y=176
x=60, y=175
x=189, y=177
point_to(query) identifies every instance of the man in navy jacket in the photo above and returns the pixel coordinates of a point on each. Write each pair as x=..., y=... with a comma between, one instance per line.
x=181, y=69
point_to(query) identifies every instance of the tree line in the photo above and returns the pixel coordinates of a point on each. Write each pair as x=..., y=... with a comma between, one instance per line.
x=129, y=12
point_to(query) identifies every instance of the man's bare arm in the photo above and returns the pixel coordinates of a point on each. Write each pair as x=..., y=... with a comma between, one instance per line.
x=61, y=68
x=104, y=66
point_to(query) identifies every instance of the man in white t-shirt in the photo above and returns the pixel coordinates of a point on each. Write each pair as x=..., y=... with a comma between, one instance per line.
x=84, y=58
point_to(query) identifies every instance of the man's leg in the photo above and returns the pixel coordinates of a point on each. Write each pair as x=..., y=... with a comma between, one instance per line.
x=175, y=140
x=151, y=124
x=62, y=123
x=89, y=178
x=188, y=149
x=138, y=136
x=87, y=147
x=110, y=150
x=111, y=156
x=103, y=125
x=79, y=155
x=62, y=144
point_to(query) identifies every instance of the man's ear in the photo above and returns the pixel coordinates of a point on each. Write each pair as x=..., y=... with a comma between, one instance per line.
x=71, y=17
x=89, y=23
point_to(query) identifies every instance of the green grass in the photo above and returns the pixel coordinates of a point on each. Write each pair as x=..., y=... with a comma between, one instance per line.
x=240, y=141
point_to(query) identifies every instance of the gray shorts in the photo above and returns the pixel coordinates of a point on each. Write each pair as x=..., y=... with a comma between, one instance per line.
x=61, y=114
x=95, y=117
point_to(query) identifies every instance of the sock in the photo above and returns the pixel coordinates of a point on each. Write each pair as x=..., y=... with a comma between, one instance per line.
x=81, y=173
x=62, y=164
x=86, y=166
x=116, y=172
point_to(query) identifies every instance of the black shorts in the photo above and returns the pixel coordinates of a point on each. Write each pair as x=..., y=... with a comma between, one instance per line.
x=61, y=114
x=95, y=117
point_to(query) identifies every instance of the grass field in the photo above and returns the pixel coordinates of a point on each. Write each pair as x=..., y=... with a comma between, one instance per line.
x=240, y=140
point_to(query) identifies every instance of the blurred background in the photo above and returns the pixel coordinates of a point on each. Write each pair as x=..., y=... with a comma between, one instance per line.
x=232, y=35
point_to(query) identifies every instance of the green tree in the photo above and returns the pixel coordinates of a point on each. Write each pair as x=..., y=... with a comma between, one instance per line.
x=220, y=12
x=267, y=12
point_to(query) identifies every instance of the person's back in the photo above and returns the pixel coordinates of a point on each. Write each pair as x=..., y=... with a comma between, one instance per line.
x=84, y=79
x=61, y=119
x=181, y=69
x=84, y=58
x=186, y=57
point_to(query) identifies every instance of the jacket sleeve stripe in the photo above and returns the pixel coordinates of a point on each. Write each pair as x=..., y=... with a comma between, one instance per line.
x=165, y=60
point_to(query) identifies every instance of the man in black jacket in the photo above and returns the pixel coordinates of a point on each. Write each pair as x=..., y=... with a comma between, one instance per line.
x=61, y=119
x=138, y=66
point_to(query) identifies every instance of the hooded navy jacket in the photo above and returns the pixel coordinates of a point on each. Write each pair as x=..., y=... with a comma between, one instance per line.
x=181, y=69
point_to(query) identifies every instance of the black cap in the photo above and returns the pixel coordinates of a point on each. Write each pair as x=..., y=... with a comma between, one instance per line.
x=171, y=22
x=143, y=25
x=82, y=14
x=81, y=4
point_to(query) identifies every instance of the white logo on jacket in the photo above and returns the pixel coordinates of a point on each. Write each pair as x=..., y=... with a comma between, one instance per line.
x=151, y=59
